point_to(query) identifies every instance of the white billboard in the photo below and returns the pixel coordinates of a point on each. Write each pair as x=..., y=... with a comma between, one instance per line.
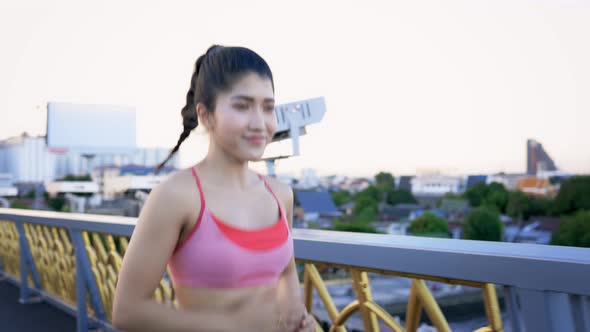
x=91, y=129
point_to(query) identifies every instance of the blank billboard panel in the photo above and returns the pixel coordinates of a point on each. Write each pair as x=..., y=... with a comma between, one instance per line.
x=91, y=128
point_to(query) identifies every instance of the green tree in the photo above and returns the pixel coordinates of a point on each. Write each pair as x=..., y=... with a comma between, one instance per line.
x=574, y=195
x=366, y=215
x=354, y=227
x=368, y=198
x=57, y=203
x=496, y=196
x=540, y=206
x=449, y=196
x=341, y=197
x=400, y=196
x=19, y=205
x=493, y=195
x=476, y=194
x=384, y=183
x=522, y=206
x=573, y=231
x=484, y=224
x=71, y=177
x=385, y=180
x=371, y=191
x=518, y=205
x=429, y=224
x=364, y=212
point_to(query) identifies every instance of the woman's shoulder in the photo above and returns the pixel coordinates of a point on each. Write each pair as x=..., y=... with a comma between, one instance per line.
x=169, y=202
x=179, y=187
x=283, y=190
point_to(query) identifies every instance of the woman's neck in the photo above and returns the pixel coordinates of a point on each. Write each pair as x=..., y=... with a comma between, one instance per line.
x=226, y=171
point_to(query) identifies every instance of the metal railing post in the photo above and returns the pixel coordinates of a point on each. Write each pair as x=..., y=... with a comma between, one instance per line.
x=85, y=281
x=26, y=265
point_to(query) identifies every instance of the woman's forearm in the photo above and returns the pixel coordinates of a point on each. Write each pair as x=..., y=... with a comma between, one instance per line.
x=288, y=288
x=290, y=301
x=152, y=316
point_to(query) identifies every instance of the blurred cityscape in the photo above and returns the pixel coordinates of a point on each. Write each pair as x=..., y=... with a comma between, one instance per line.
x=541, y=205
x=528, y=204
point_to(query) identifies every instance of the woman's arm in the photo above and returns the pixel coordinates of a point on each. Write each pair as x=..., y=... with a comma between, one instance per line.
x=152, y=243
x=288, y=285
x=289, y=296
x=288, y=288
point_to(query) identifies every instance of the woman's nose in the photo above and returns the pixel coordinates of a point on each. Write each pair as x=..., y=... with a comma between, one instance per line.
x=257, y=118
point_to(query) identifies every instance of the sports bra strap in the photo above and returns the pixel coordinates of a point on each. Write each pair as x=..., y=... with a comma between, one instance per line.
x=200, y=188
x=269, y=189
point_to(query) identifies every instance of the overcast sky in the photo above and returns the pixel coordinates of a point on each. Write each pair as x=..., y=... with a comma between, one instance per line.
x=452, y=85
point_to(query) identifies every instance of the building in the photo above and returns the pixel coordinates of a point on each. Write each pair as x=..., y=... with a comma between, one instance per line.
x=508, y=180
x=356, y=185
x=555, y=177
x=29, y=160
x=472, y=180
x=6, y=187
x=436, y=184
x=308, y=180
x=400, y=211
x=539, y=230
x=118, y=181
x=396, y=228
x=536, y=186
x=333, y=182
x=404, y=182
x=347, y=208
x=316, y=205
x=537, y=158
x=455, y=209
x=87, y=188
x=417, y=213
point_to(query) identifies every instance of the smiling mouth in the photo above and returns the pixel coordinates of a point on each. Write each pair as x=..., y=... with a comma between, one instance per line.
x=256, y=140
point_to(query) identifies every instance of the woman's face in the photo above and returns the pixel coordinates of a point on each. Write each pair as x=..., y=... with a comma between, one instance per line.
x=244, y=121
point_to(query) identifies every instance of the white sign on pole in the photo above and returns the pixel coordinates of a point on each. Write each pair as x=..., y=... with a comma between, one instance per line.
x=91, y=129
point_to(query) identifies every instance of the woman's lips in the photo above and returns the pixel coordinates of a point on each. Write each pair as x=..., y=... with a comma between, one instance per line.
x=255, y=140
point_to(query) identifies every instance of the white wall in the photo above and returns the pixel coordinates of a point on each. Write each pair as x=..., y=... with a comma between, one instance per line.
x=437, y=184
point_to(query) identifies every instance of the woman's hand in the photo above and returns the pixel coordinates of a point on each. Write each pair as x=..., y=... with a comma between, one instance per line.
x=295, y=318
x=291, y=317
x=307, y=323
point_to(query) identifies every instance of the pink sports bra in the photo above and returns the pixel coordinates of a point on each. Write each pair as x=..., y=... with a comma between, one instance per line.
x=218, y=255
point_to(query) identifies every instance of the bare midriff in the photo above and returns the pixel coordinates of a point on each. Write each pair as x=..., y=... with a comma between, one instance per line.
x=227, y=301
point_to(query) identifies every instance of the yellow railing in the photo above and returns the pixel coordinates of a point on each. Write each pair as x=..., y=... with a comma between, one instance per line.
x=73, y=262
x=9, y=248
x=419, y=298
x=53, y=254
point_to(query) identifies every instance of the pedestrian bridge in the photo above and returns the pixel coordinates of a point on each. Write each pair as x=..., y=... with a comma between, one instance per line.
x=61, y=269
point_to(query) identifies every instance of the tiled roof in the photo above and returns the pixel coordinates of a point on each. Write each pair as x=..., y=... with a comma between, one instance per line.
x=532, y=182
x=316, y=202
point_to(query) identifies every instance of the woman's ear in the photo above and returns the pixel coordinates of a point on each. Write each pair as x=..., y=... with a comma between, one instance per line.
x=205, y=117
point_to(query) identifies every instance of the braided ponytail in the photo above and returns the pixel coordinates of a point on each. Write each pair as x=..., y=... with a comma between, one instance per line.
x=190, y=120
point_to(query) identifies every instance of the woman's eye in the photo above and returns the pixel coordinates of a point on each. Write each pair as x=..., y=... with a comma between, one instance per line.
x=241, y=106
x=269, y=109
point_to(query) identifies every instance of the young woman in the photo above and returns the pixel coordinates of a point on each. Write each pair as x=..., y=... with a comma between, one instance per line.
x=223, y=229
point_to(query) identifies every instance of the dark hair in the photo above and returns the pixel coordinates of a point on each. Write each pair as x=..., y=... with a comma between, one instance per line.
x=216, y=71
